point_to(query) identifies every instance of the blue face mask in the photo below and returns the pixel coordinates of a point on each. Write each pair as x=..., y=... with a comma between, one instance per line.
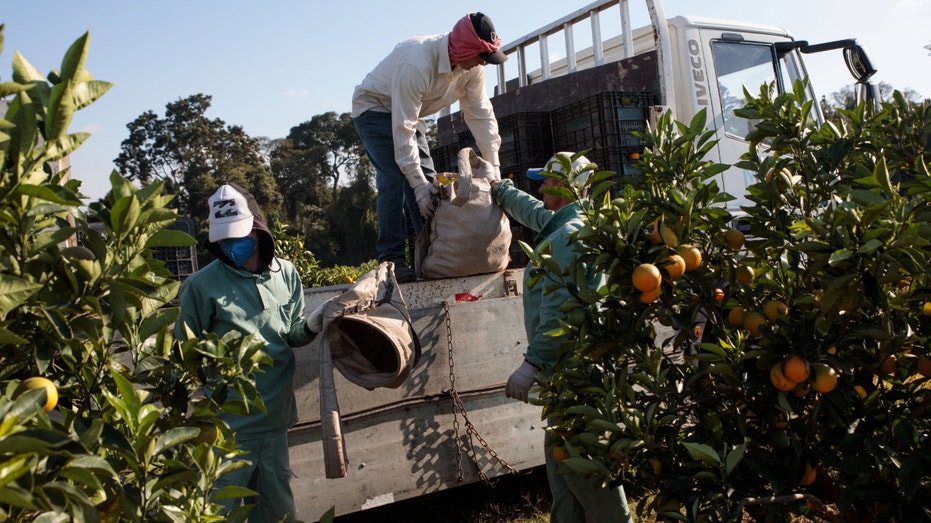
x=238, y=250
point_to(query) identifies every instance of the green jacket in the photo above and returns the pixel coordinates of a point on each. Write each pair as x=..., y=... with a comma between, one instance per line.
x=221, y=298
x=541, y=309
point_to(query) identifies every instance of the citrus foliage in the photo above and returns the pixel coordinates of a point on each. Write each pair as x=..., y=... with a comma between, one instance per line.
x=130, y=436
x=290, y=245
x=818, y=407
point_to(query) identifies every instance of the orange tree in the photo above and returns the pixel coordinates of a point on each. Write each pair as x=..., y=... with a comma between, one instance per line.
x=131, y=437
x=792, y=388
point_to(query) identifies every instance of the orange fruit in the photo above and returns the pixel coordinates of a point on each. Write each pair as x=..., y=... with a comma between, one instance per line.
x=646, y=277
x=734, y=239
x=825, y=377
x=809, y=476
x=744, y=274
x=691, y=255
x=38, y=382
x=924, y=366
x=795, y=368
x=737, y=316
x=650, y=296
x=675, y=267
x=655, y=238
x=774, y=309
x=209, y=432
x=926, y=308
x=753, y=322
x=889, y=365
x=634, y=155
x=560, y=454
x=778, y=380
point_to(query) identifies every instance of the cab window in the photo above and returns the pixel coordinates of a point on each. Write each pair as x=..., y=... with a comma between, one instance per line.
x=741, y=65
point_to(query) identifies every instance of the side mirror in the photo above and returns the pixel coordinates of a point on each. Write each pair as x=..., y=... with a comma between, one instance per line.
x=858, y=63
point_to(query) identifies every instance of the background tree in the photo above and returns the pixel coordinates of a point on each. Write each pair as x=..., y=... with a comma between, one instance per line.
x=846, y=99
x=194, y=155
x=332, y=142
x=336, y=219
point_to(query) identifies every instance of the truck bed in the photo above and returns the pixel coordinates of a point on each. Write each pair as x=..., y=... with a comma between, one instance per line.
x=402, y=443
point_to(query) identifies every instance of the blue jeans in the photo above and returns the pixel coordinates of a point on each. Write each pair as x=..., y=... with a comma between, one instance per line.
x=578, y=499
x=394, y=193
x=269, y=474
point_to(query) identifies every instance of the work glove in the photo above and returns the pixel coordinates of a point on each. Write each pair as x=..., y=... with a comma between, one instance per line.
x=519, y=383
x=425, y=194
x=314, y=322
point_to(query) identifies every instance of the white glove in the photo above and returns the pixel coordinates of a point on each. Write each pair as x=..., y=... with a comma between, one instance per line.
x=315, y=320
x=519, y=383
x=426, y=195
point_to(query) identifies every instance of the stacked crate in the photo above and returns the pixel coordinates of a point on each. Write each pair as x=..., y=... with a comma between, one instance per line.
x=446, y=158
x=180, y=261
x=603, y=125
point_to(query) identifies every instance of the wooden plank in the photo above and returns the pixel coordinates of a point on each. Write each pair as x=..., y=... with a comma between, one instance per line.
x=410, y=451
x=401, y=443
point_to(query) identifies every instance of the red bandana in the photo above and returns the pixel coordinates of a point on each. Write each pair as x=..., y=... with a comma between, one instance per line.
x=464, y=42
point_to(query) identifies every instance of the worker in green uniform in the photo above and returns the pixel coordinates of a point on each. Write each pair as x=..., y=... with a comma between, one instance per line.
x=249, y=290
x=576, y=499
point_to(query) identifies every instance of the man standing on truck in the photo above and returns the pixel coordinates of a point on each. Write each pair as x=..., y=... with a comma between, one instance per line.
x=576, y=499
x=418, y=78
x=249, y=290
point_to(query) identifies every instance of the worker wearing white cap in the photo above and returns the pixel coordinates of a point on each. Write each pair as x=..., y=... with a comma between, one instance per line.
x=249, y=290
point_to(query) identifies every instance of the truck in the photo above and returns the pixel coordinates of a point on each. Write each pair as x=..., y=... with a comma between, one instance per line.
x=449, y=424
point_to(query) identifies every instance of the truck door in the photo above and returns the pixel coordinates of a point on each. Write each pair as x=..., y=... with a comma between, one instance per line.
x=742, y=61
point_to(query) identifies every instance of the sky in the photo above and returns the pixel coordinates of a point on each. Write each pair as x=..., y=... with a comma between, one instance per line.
x=274, y=64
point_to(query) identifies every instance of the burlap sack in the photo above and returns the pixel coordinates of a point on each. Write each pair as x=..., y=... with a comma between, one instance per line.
x=469, y=233
x=368, y=336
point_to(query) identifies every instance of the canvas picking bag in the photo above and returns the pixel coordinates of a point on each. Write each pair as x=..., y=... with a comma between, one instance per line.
x=469, y=233
x=368, y=336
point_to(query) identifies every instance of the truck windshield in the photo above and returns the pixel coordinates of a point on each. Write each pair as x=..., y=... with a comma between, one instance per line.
x=738, y=66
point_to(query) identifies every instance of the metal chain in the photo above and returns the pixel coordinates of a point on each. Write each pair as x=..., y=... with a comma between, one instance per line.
x=452, y=390
x=459, y=408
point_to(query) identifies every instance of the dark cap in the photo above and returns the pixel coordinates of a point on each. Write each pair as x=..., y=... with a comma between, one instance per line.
x=486, y=31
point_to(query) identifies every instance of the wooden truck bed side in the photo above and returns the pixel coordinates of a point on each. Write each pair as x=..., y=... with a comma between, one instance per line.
x=402, y=443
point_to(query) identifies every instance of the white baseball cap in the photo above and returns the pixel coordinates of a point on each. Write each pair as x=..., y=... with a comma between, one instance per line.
x=229, y=216
x=553, y=165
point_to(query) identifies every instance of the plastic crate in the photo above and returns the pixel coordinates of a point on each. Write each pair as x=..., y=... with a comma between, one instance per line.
x=526, y=138
x=180, y=261
x=517, y=255
x=603, y=125
x=446, y=158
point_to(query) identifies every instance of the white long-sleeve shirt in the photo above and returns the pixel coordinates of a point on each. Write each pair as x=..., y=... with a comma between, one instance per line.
x=416, y=80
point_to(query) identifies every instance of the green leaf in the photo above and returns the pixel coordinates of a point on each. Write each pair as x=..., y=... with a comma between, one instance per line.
x=14, y=292
x=86, y=93
x=703, y=453
x=170, y=238
x=734, y=457
x=173, y=438
x=233, y=491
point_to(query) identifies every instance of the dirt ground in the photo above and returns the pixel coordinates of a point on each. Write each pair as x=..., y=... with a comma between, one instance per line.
x=513, y=498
